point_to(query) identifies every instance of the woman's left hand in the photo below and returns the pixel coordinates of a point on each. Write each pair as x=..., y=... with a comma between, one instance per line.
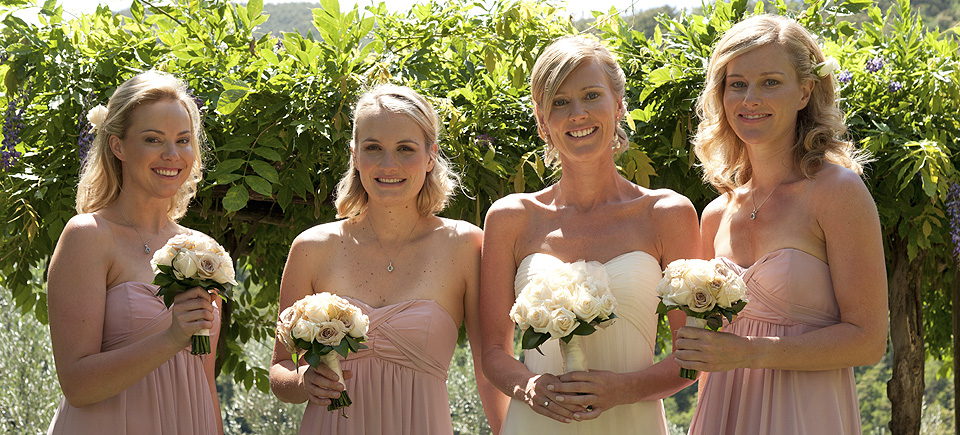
x=711, y=351
x=595, y=390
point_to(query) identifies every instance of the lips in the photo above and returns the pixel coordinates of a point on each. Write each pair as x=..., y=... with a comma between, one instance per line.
x=582, y=133
x=754, y=117
x=389, y=180
x=166, y=172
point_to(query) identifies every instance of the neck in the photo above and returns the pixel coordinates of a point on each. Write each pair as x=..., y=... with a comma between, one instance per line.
x=148, y=216
x=586, y=185
x=771, y=166
x=392, y=224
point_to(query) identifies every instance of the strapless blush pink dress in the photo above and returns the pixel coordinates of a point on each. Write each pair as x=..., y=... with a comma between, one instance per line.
x=173, y=399
x=399, y=384
x=790, y=293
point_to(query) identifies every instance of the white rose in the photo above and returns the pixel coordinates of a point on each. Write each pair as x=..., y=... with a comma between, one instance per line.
x=96, y=116
x=361, y=324
x=331, y=332
x=562, y=298
x=208, y=263
x=558, y=278
x=731, y=293
x=314, y=309
x=285, y=322
x=185, y=264
x=162, y=256
x=826, y=67
x=562, y=323
x=518, y=313
x=608, y=304
x=701, y=300
x=679, y=293
x=539, y=318
x=587, y=307
x=305, y=329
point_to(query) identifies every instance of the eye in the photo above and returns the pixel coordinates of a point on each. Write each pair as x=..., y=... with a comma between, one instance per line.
x=185, y=141
x=406, y=148
x=592, y=95
x=771, y=82
x=738, y=84
x=371, y=147
x=559, y=102
x=152, y=139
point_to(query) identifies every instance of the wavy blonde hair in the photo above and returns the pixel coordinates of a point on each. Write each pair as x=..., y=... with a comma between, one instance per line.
x=557, y=61
x=820, y=125
x=101, y=178
x=352, y=198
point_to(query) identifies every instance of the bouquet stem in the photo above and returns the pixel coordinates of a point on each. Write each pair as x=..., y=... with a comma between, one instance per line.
x=331, y=360
x=695, y=322
x=200, y=342
x=574, y=358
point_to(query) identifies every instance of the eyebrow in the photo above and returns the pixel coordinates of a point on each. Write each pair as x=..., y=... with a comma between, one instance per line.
x=149, y=130
x=401, y=141
x=767, y=73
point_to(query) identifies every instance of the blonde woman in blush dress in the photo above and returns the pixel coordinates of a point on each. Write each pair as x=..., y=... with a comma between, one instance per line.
x=592, y=213
x=123, y=358
x=797, y=222
x=414, y=274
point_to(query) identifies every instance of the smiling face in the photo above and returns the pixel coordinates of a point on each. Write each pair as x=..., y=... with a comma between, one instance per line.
x=391, y=155
x=762, y=95
x=156, y=151
x=583, y=116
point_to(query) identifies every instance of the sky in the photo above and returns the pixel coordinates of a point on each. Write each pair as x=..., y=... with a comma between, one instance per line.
x=575, y=7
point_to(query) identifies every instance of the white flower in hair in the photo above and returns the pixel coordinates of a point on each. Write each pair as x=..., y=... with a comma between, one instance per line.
x=826, y=67
x=96, y=116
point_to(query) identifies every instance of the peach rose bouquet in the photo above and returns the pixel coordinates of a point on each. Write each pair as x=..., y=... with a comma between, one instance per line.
x=319, y=327
x=565, y=303
x=707, y=291
x=188, y=261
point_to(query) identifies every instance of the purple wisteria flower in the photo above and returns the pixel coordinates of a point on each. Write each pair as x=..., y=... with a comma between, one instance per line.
x=198, y=101
x=875, y=64
x=953, y=212
x=12, y=126
x=894, y=86
x=484, y=140
x=844, y=76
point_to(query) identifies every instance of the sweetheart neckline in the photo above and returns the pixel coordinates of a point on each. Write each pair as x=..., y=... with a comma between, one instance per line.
x=637, y=251
x=449, y=316
x=768, y=254
x=146, y=284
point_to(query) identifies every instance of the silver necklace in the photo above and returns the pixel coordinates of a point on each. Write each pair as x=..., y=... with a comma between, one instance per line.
x=146, y=244
x=753, y=215
x=402, y=245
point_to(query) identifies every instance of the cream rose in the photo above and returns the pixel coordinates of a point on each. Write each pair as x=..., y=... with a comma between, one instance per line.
x=701, y=300
x=562, y=298
x=96, y=116
x=331, y=332
x=305, y=329
x=185, y=264
x=361, y=324
x=562, y=323
x=587, y=307
x=162, y=256
x=539, y=318
x=518, y=313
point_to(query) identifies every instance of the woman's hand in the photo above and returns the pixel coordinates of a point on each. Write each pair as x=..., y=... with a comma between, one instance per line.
x=192, y=312
x=321, y=384
x=593, y=392
x=542, y=395
x=711, y=351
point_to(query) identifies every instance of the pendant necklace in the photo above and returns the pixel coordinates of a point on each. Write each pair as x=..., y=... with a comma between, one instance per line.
x=402, y=245
x=753, y=215
x=146, y=244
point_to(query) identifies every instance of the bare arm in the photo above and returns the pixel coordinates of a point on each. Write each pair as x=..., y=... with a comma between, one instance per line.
x=76, y=296
x=497, y=270
x=851, y=229
x=297, y=383
x=494, y=402
x=209, y=367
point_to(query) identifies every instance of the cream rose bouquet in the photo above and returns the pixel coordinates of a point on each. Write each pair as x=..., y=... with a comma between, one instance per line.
x=708, y=291
x=319, y=327
x=566, y=302
x=189, y=261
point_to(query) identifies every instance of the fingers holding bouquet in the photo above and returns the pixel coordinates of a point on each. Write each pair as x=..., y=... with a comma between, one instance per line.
x=192, y=312
x=710, y=351
x=594, y=391
x=543, y=395
x=322, y=384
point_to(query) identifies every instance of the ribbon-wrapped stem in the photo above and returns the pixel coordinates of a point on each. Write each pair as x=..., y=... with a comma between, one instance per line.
x=331, y=360
x=574, y=358
x=695, y=322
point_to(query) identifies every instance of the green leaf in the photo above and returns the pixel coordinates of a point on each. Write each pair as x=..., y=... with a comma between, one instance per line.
x=584, y=329
x=236, y=198
x=259, y=185
x=265, y=170
x=267, y=153
x=312, y=358
x=254, y=8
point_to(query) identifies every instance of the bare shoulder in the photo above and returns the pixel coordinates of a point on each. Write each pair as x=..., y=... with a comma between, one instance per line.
x=671, y=207
x=514, y=211
x=714, y=211
x=90, y=231
x=462, y=231
x=836, y=188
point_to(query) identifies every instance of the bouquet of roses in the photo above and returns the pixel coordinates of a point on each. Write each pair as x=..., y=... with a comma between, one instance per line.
x=567, y=302
x=320, y=326
x=189, y=261
x=708, y=291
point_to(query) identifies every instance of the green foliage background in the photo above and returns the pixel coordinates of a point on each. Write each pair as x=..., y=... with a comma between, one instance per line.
x=277, y=114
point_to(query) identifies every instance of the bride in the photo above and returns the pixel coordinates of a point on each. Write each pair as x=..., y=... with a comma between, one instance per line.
x=592, y=213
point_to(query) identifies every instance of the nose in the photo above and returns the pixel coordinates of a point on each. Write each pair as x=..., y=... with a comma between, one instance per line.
x=751, y=97
x=389, y=160
x=577, y=111
x=170, y=150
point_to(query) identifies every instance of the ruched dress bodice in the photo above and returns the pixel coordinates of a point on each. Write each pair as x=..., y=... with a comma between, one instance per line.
x=174, y=398
x=790, y=293
x=625, y=346
x=399, y=381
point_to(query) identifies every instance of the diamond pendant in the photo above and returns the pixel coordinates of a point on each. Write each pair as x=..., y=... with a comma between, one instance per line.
x=390, y=267
x=146, y=248
x=753, y=215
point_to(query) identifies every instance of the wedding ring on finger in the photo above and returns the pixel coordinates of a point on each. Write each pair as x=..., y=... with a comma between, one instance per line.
x=546, y=403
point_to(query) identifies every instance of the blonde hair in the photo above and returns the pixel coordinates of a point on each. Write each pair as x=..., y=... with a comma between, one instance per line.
x=557, y=61
x=101, y=178
x=820, y=124
x=352, y=198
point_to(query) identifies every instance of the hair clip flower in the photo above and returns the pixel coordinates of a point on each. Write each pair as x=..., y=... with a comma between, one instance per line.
x=96, y=116
x=826, y=67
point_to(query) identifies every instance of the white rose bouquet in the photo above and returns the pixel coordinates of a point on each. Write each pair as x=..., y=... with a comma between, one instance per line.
x=319, y=327
x=708, y=291
x=189, y=261
x=567, y=302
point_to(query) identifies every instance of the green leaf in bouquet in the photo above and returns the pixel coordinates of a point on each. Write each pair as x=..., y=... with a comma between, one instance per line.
x=167, y=270
x=663, y=308
x=715, y=322
x=532, y=339
x=343, y=348
x=583, y=328
x=163, y=280
x=312, y=358
x=302, y=344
